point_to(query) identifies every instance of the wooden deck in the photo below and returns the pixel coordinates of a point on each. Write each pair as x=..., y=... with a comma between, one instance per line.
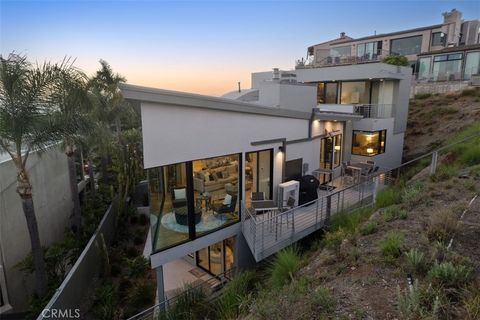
x=272, y=231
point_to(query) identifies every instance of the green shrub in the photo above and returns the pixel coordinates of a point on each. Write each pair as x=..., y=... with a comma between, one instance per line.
x=471, y=156
x=442, y=225
x=449, y=275
x=190, y=303
x=137, y=266
x=333, y=239
x=369, y=228
x=390, y=213
x=284, y=266
x=322, y=298
x=421, y=96
x=444, y=172
x=470, y=92
x=234, y=295
x=349, y=221
x=397, y=60
x=417, y=303
x=391, y=244
x=141, y=296
x=388, y=196
x=105, y=302
x=412, y=194
x=416, y=261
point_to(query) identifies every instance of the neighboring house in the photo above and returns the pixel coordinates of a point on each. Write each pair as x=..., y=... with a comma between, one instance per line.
x=53, y=208
x=205, y=156
x=453, y=32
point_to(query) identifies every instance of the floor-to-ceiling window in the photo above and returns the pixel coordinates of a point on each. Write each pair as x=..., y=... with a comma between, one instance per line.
x=424, y=68
x=327, y=92
x=447, y=67
x=258, y=173
x=472, y=64
x=355, y=92
x=217, y=258
x=330, y=155
x=190, y=199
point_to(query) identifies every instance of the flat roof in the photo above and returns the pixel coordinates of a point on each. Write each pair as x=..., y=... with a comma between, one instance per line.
x=178, y=98
x=381, y=35
x=451, y=49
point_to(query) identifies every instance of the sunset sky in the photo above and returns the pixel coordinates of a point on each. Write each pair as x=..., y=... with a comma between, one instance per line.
x=199, y=46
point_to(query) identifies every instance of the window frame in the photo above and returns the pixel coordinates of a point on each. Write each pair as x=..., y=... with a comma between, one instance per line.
x=443, y=37
x=382, y=137
x=403, y=38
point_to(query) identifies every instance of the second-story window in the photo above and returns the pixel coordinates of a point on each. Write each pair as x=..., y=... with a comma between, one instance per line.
x=344, y=51
x=406, y=46
x=368, y=143
x=438, y=39
x=355, y=92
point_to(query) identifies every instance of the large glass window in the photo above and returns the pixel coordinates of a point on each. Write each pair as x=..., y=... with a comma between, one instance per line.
x=327, y=92
x=447, y=67
x=424, y=68
x=217, y=258
x=216, y=192
x=168, y=205
x=406, y=46
x=355, y=92
x=344, y=51
x=369, y=50
x=472, y=64
x=368, y=143
x=212, y=184
x=438, y=39
x=258, y=173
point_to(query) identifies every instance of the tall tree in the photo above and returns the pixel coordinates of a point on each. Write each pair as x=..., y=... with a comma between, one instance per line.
x=28, y=123
x=73, y=104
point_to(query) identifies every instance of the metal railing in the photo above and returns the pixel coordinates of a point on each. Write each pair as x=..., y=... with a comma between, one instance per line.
x=341, y=60
x=211, y=287
x=374, y=110
x=273, y=230
x=264, y=233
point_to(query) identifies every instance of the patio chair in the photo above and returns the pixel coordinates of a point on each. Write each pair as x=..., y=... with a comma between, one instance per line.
x=347, y=173
x=179, y=197
x=257, y=196
x=227, y=206
x=289, y=205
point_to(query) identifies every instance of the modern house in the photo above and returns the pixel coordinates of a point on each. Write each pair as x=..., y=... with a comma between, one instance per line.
x=453, y=32
x=208, y=158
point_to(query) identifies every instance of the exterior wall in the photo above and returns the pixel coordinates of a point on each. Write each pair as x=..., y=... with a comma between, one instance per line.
x=53, y=206
x=215, y=133
x=301, y=97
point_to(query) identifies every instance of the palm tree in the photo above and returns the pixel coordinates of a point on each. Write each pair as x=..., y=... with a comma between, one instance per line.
x=28, y=123
x=73, y=103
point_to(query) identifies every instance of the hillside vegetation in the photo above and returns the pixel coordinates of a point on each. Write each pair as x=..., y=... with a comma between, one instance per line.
x=433, y=119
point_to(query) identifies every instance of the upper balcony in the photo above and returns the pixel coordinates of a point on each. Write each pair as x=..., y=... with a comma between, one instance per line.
x=331, y=61
x=376, y=111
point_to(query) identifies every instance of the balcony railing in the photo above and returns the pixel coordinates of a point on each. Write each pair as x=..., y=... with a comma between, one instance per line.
x=340, y=60
x=379, y=111
x=273, y=230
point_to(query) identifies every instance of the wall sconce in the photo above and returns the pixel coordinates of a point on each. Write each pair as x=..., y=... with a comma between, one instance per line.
x=369, y=150
x=337, y=148
x=280, y=148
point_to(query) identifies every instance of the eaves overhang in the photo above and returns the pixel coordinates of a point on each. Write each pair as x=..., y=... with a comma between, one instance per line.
x=139, y=94
x=335, y=116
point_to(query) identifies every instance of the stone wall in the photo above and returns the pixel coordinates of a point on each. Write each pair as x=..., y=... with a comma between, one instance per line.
x=438, y=87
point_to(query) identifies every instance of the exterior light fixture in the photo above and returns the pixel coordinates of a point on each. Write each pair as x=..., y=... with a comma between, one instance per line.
x=280, y=148
x=337, y=148
x=369, y=150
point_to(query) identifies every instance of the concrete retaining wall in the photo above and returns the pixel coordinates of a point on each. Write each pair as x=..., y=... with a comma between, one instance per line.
x=438, y=87
x=79, y=282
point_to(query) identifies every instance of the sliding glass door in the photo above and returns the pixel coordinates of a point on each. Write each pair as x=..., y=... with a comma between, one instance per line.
x=258, y=173
x=330, y=156
x=217, y=258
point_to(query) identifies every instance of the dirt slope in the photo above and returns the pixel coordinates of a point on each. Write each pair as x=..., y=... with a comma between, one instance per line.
x=434, y=119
